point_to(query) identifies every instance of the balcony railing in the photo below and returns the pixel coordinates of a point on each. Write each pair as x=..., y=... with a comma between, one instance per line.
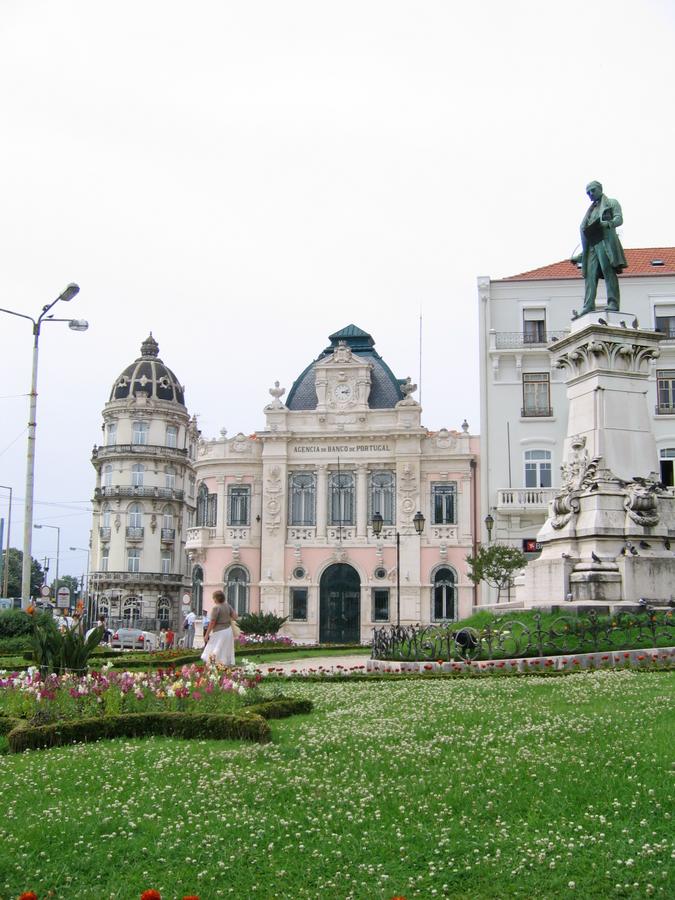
x=528, y=412
x=135, y=532
x=100, y=578
x=143, y=449
x=199, y=537
x=104, y=533
x=155, y=492
x=511, y=340
x=664, y=409
x=168, y=535
x=525, y=498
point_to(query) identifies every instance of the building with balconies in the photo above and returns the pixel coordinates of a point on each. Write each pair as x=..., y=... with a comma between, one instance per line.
x=144, y=498
x=524, y=399
x=284, y=518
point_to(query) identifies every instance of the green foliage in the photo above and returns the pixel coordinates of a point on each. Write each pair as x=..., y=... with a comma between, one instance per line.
x=56, y=651
x=496, y=564
x=14, y=622
x=14, y=563
x=15, y=646
x=260, y=623
x=249, y=727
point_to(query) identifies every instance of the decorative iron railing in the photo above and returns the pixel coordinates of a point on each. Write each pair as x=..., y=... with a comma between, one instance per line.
x=510, y=638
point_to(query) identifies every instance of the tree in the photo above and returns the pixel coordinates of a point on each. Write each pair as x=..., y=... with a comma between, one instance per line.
x=496, y=564
x=14, y=563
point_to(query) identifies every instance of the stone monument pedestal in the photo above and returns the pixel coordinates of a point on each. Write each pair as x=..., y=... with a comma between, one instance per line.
x=607, y=536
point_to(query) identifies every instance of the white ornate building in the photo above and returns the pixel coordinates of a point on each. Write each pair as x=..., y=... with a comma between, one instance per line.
x=284, y=517
x=523, y=398
x=144, y=497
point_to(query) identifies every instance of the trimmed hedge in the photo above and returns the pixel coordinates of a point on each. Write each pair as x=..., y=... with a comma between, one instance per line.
x=248, y=727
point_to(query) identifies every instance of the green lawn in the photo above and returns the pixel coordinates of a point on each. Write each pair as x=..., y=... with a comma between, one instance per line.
x=529, y=787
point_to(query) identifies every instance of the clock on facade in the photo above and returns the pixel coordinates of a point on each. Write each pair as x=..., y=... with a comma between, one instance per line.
x=342, y=392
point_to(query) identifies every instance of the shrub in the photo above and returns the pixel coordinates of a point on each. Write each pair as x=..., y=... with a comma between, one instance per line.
x=15, y=622
x=13, y=646
x=260, y=623
x=212, y=726
x=56, y=651
x=280, y=708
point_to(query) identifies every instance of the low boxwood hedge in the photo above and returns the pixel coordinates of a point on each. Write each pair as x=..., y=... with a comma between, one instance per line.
x=248, y=727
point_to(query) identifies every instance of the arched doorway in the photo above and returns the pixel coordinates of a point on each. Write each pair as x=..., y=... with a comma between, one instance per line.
x=340, y=605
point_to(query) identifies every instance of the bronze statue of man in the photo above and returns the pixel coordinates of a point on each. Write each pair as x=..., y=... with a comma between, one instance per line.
x=601, y=255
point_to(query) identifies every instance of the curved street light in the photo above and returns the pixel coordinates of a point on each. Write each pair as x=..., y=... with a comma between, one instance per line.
x=76, y=325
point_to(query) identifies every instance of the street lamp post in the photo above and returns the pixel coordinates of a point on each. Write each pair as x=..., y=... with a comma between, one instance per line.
x=377, y=523
x=76, y=325
x=489, y=525
x=58, y=553
x=5, y=567
x=85, y=590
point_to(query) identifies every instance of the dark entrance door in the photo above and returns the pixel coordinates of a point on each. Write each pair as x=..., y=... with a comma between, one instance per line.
x=340, y=605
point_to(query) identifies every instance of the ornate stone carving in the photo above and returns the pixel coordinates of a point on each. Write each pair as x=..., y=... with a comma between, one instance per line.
x=607, y=353
x=641, y=501
x=408, y=489
x=273, y=491
x=239, y=443
x=444, y=440
x=407, y=389
x=277, y=393
x=578, y=472
x=342, y=353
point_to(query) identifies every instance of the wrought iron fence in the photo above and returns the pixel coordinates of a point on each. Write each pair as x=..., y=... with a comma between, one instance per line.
x=509, y=638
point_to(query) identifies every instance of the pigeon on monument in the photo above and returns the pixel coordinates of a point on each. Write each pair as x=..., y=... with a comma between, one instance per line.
x=645, y=545
x=666, y=543
x=595, y=557
x=602, y=321
x=623, y=324
x=633, y=550
x=635, y=323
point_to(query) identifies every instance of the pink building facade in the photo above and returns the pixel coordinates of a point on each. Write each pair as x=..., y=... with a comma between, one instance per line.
x=284, y=517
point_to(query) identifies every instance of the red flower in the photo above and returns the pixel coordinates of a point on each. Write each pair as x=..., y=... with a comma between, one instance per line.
x=28, y=895
x=428, y=667
x=151, y=895
x=190, y=897
x=576, y=662
x=640, y=658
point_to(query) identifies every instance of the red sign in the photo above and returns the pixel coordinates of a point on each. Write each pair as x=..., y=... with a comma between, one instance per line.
x=531, y=545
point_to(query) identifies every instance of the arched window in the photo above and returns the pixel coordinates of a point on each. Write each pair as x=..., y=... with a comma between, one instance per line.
x=444, y=595
x=341, y=499
x=206, y=507
x=198, y=590
x=135, y=515
x=131, y=609
x=107, y=475
x=538, y=469
x=103, y=607
x=167, y=517
x=164, y=612
x=301, y=506
x=105, y=516
x=382, y=496
x=236, y=588
x=137, y=475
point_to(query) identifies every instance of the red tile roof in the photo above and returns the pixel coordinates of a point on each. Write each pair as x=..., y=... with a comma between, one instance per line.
x=640, y=262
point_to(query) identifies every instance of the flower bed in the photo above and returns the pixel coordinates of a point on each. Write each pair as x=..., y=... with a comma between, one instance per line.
x=46, y=699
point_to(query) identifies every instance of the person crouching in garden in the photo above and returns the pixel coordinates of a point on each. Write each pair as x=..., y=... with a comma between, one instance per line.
x=219, y=639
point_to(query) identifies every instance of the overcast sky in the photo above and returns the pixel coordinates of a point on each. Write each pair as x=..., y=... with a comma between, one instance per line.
x=244, y=178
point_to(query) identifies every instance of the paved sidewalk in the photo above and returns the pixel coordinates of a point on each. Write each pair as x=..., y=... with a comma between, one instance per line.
x=337, y=664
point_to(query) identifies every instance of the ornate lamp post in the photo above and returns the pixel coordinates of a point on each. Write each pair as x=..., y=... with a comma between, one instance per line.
x=377, y=524
x=76, y=325
x=489, y=525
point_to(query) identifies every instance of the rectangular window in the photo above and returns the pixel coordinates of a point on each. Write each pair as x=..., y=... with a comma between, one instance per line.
x=133, y=560
x=664, y=317
x=140, y=433
x=381, y=605
x=534, y=326
x=171, y=436
x=443, y=503
x=137, y=475
x=238, y=504
x=665, y=391
x=536, y=394
x=341, y=499
x=166, y=562
x=299, y=604
x=107, y=475
x=170, y=479
x=301, y=508
x=111, y=434
x=382, y=496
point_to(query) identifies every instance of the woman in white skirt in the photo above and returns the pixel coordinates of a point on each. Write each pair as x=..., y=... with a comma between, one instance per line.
x=219, y=639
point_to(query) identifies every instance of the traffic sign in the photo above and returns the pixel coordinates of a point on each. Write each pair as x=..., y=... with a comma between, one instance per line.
x=63, y=598
x=44, y=590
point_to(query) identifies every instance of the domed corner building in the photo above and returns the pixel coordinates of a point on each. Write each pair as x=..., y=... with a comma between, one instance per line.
x=284, y=519
x=145, y=497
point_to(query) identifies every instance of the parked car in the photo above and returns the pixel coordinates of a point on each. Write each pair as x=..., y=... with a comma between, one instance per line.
x=134, y=639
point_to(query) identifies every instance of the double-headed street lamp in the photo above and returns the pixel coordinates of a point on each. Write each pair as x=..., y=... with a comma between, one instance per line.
x=76, y=325
x=85, y=591
x=377, y=523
